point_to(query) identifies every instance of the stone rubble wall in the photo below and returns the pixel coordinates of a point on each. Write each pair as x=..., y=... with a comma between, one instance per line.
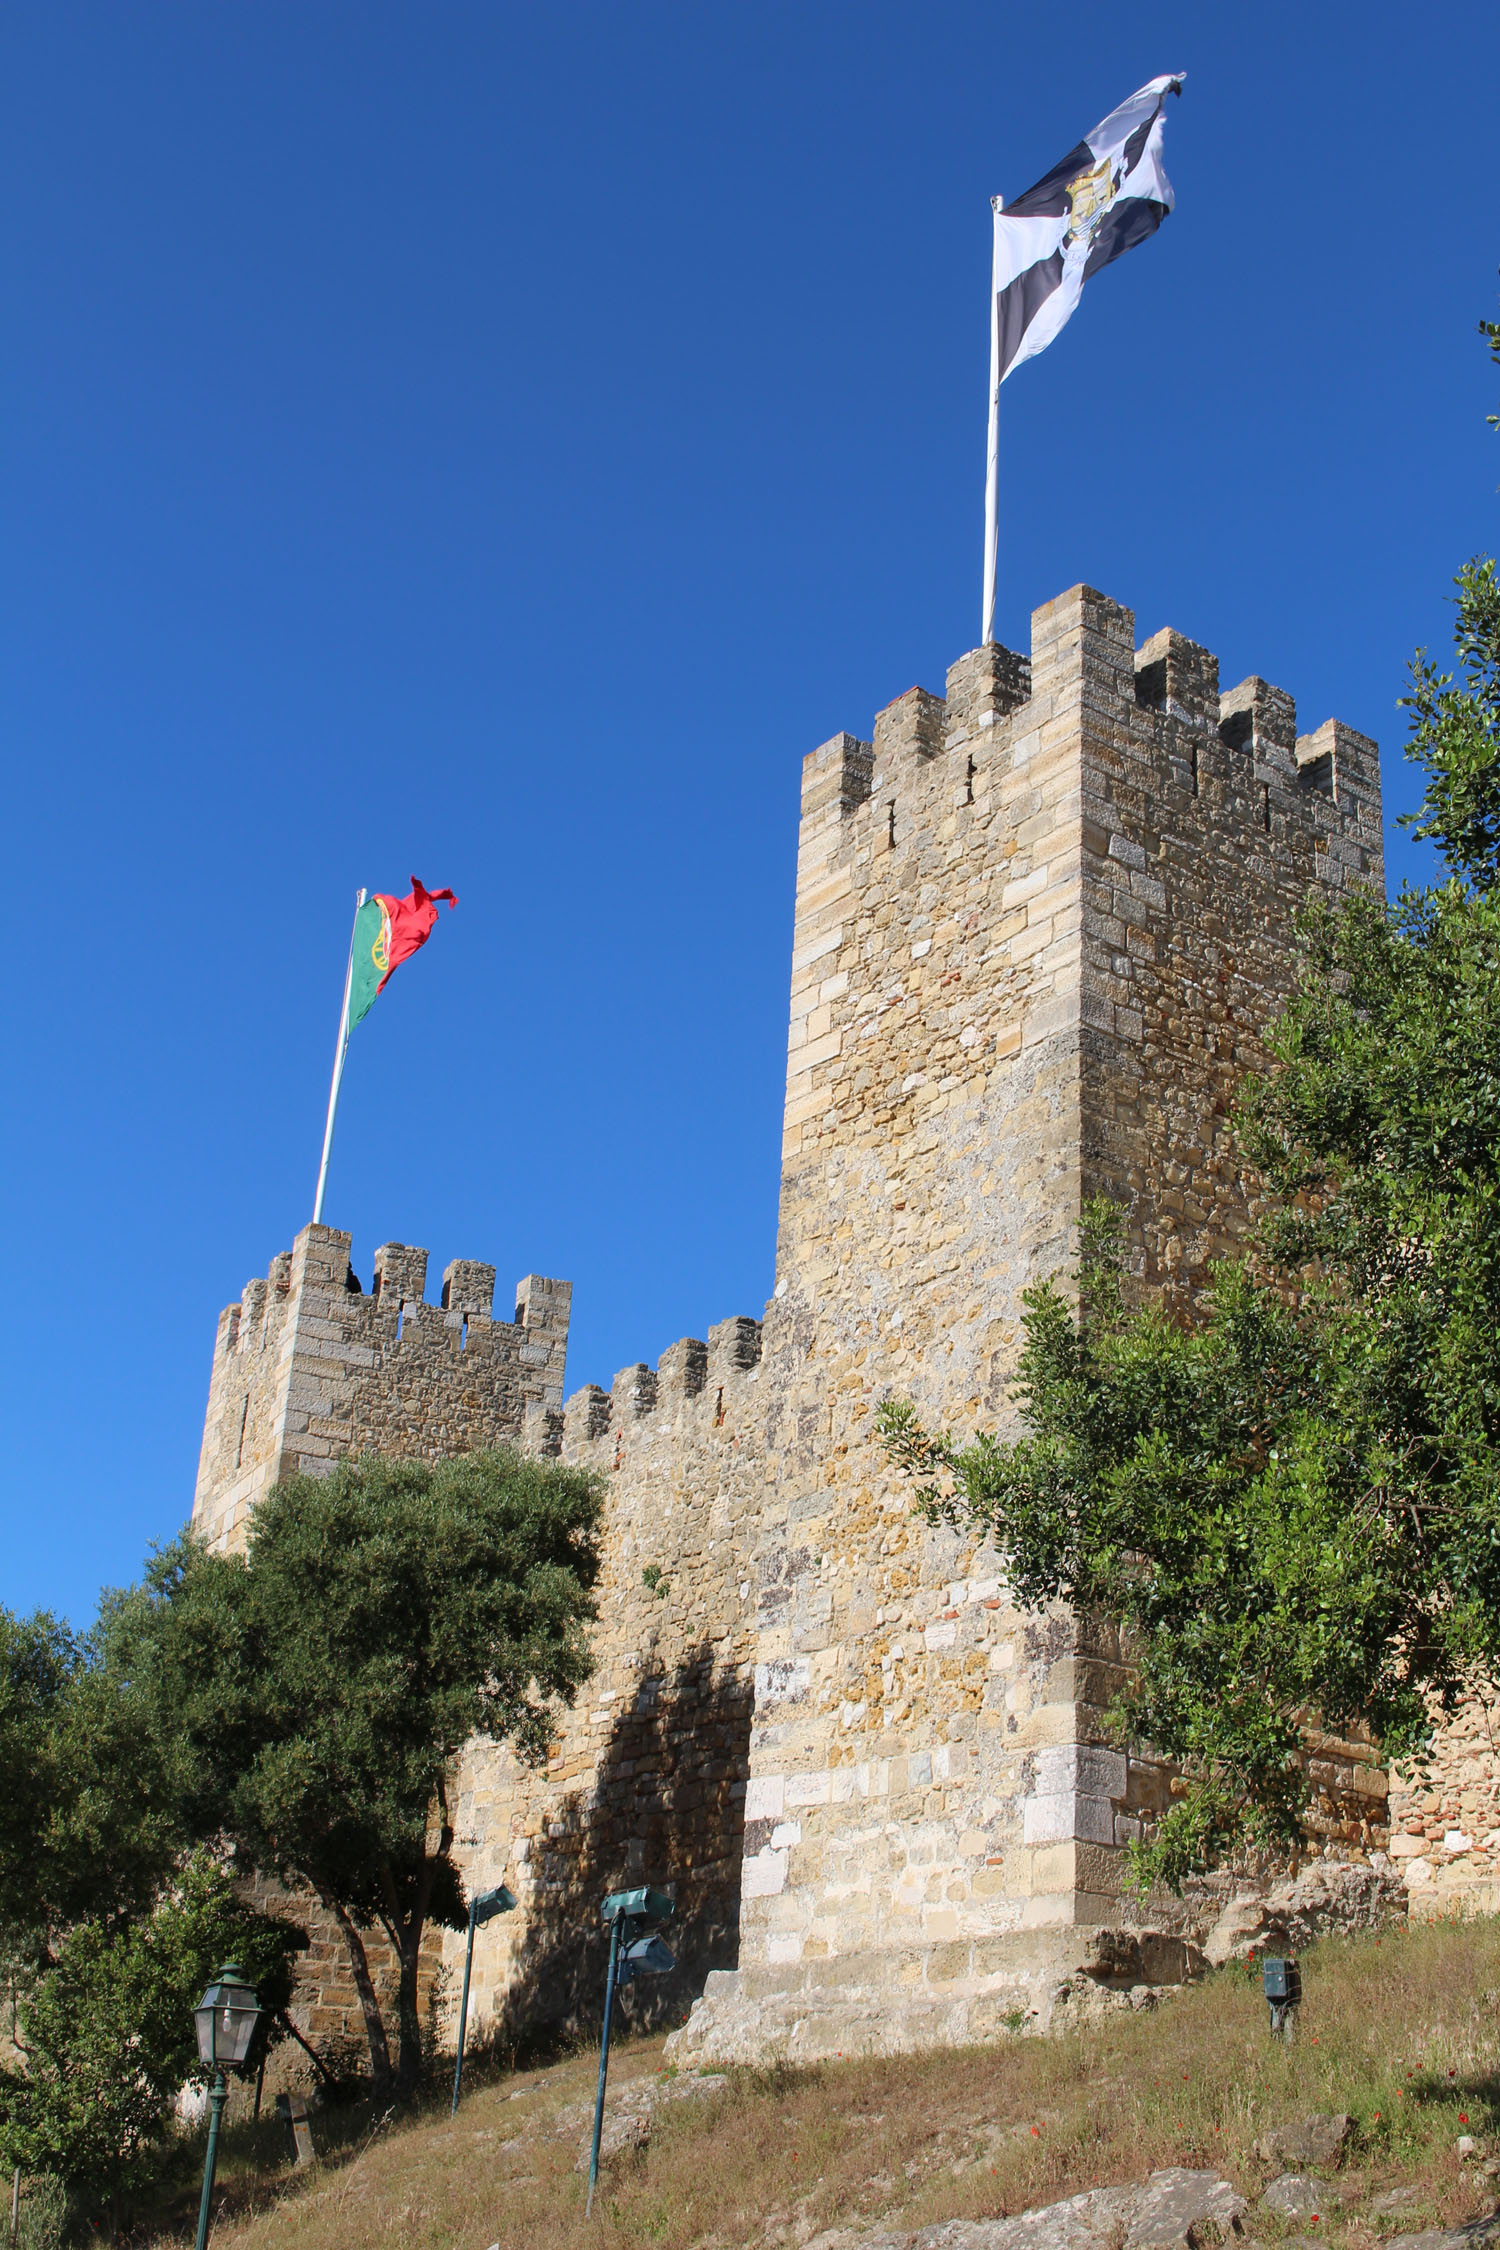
x=645, y=1782
x=1445, y=1818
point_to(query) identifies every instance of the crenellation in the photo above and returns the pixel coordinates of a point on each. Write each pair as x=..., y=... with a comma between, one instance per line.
x=982, y=688
x=682, y=1369
x=400, y=1274
x=469, y=1287
x=837, y=776
x=734, y=1346
x=587, y=1415
x=634, y=1392
x=1175, y=676
x=1344, y=765
x=911, y=727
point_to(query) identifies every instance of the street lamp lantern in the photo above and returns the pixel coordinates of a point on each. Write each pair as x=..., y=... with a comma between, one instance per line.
x=225, y=2019
x=635, y=1950
x=483, y=1907
x=1282, y=1982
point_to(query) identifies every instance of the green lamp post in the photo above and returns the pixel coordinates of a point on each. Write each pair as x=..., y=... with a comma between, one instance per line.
x=634, y=1951
x=481, y=1908
x=226, y=2019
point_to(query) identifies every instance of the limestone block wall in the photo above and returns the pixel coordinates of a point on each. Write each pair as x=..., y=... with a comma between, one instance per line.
x=1039, y=925
x=307, y=1369
x=646, y=1779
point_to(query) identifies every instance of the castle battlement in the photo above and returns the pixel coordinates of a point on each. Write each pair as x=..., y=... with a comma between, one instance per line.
x=1041, y=923
x=690, y=1375
x=1083, y=649
x=308, y=1368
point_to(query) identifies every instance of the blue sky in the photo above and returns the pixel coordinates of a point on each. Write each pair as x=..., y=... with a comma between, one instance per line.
x=497, y=442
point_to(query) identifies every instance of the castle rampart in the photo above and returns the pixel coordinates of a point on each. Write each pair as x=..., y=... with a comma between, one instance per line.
x=307, y=1368
x=1041, y=922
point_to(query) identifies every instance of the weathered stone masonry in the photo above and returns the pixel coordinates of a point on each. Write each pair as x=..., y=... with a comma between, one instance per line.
x=1040, y=925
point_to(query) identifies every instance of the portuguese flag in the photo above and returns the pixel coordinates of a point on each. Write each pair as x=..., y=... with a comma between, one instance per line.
x=387, y=931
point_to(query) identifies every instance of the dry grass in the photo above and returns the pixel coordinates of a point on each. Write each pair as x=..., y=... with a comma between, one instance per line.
x=1402, y=2031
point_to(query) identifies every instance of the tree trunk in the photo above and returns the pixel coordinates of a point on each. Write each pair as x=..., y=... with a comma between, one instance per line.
x=364, y=1985
x=409, y=2057
x=406, y=1932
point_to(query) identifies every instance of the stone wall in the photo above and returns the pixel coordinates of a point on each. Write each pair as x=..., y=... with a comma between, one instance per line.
x=1445, y=1818
x=646, y=1780
x=1040, y=924
x=307, y=1368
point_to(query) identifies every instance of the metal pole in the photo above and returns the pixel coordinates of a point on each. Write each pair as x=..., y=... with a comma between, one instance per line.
x=609, y=2005
x=216, y=2100
x=339, y=1053
x=463, y=2014
x=992, y=460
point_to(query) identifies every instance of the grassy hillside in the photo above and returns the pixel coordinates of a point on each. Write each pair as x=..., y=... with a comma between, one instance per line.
x=1402, y=2031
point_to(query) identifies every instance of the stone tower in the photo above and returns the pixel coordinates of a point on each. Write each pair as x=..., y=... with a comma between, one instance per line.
x=307, y=1369
x=1039, y=929
x=1040, y=926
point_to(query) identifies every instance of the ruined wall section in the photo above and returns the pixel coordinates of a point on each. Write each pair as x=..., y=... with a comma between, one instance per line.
x=308, y=1369
x=645, y=1782
x=1445, y=1818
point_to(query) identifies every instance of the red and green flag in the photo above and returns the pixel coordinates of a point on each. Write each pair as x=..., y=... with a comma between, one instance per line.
x=388, y=931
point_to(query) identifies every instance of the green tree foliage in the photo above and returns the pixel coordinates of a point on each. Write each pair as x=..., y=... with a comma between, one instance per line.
x=90, y=1814
x=106, y=2039
x=322, y=1684
x=1293, y=1504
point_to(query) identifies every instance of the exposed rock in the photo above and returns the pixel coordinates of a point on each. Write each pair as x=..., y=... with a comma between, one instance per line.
x=1295, y=2196
x=1136, y=1957
x=629, y=2116
x=1175, y=2203
x=1397, y=2199
x=1175, y=2210
x=1477, y=2235
x=1330, y=1895
x=1311, y=2140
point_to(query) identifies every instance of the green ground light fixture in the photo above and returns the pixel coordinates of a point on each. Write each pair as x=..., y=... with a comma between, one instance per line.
x=482, y=1908
x=635, y=1950
x=226, y=2019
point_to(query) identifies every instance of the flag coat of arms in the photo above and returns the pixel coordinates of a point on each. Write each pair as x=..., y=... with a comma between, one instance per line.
x=387, y=931
x=1107, y=194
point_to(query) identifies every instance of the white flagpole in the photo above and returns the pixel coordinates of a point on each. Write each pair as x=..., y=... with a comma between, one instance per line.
x=992, y=457
x=339, y=1053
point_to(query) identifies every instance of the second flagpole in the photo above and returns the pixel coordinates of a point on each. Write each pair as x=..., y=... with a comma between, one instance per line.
x=340, y=1051
x=992, y=456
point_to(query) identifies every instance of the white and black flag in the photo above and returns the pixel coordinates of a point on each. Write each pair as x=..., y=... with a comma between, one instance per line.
x=1106, y=195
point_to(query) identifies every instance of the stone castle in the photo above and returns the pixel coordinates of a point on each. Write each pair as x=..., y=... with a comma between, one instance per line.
x=1041, y=923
